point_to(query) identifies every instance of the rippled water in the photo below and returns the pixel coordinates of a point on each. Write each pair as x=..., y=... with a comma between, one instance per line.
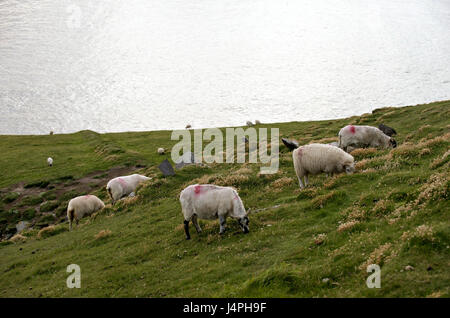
x=147, y=65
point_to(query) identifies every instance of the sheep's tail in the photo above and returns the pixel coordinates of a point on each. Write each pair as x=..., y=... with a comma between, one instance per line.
x=70, y=216
x=110, y=194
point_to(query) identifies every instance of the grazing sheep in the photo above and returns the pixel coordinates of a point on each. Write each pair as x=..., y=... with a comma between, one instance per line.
x=211, y=202
x=249, y=123
x=364, y=136
x=257, y=122
x=51, y=132
x=317, y=158
x=387, y=130
x=122, y=186
x=80, y=206
x=161, y=151
x=50, y=161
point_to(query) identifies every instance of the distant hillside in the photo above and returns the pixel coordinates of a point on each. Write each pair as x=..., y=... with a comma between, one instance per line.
x=394, y=212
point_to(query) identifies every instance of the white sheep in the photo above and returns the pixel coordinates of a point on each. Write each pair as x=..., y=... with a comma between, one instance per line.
x=257, y=122
x=50, y=161
x=161, y=151
x=122, y=186
x=82, y=206
x=317, y=158
x=211, y=202
x=364, y=136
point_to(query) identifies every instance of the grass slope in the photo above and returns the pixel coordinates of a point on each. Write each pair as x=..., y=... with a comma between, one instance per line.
x=393, y=211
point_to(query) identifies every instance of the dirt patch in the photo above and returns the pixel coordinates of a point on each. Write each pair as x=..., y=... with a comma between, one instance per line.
x=27, y=206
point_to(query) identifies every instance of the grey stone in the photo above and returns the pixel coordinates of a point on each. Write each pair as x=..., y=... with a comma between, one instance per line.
x=22, y=225
x=166, y=168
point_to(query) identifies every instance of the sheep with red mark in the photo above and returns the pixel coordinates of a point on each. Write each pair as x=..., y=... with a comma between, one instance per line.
x=82, y=206
x=210, y=202
x=364, y=136
x=317, y=158
x=123, y=186
x=50, y=161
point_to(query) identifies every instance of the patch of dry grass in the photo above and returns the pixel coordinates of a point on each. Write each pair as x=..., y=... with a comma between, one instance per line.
x=46, y=231
x=18, y=238
x=440, y=161
x=347, y=225
x=102, y=234
x=378, y=256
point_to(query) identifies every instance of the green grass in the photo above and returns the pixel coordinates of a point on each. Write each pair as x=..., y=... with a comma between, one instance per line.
x=393, y=211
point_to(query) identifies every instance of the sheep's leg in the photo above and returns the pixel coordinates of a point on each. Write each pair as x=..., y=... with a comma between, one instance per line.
x=222, y=224
x=301, y=183
x=306, y=180
x=70, y=225
x=186, y=229
x=197, y=227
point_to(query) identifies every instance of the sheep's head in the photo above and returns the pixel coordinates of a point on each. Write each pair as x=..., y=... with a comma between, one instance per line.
x=349, y=168
x=393, y=143
x=243, y=223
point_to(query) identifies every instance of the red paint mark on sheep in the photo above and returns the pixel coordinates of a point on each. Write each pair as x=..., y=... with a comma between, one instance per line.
x=197, y=189
x=300, y=151
x=352, y=129
x=122, y=182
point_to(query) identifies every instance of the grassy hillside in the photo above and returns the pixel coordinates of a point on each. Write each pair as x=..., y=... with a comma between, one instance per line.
x=394, y=212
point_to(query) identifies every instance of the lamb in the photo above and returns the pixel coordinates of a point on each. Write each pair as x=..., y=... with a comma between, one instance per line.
x=364, y=136
x=82, y=206
x=50, y=161
x=161, y=151
x=211, y=202
x=122, y=186
x=316, y=158
x=387, y=130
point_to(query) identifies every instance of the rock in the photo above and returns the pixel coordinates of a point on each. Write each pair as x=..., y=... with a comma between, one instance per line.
x=22, y=225
x=161, y=151
x=325, y=280
x=409, y=268
x=429, y=268
x=166, y=168
x=291, y=144
x=132, y=194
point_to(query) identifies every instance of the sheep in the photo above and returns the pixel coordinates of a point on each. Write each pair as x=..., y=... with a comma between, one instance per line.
x=257, y=122
x=387, y=130
x=161, y=151
x=50, y=161
x=211, y=202
x=51, y=132
x=249, y=123
x=188, y=126
x=316, y=158
x=81, y=206
x=122, y=186
x=364, y=136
